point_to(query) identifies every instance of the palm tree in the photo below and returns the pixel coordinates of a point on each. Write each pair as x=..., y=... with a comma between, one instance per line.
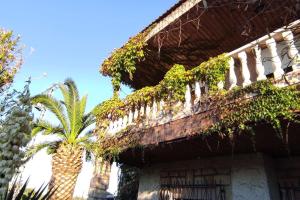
x=71, y=134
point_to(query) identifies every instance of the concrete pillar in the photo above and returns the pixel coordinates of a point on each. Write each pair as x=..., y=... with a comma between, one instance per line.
x=100, y=181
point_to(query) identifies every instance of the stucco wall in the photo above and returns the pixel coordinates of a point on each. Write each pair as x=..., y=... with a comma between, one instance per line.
x=252, y=176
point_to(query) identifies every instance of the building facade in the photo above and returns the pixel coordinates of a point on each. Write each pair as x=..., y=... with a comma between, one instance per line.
x=229, y=139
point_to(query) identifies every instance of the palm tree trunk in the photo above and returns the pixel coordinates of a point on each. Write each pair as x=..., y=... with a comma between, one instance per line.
x=66, y=165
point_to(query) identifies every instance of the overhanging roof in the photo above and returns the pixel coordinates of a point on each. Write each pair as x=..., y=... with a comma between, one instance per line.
x=190, y=33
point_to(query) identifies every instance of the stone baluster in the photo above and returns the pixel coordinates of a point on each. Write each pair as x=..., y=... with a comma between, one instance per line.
x=124, y=122
x=276, y=61
x=260, y=69
x=115, y=127
x=154, y=109
x=110, y=127
x=188, y=98
x=120, y=121
x=245, y=70
x=205, y=87
x=142, y=110
x=148, y=110
x=221, y=85
x=161, y=106
x=197, y=92
x=232, y=75
x=130, y=116
x=293, y=52
x=136, y=112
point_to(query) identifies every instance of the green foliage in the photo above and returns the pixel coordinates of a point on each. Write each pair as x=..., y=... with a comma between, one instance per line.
x=10, y=57
x=111, y=106
x=212, y=72
x=70, y=113
x=124, y=59
x=236, y=114
x=173, y=85
x=175, y=82
x=25, y=193
x=143, y=95
x=270, y=105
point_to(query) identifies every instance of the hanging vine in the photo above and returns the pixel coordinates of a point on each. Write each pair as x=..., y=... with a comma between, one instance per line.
x=171, y=88
x=124, y=59
x=236, y=114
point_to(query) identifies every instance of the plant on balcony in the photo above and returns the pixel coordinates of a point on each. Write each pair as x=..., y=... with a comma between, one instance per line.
x=124, y=59
x=173, y=86
x=174, y=83
x=211, y=72
x=236, y=114
x=72, y=137
x=270, y=105
x=144, y=95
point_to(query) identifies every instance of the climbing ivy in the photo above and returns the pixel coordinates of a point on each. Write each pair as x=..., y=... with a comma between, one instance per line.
x=236, y=114
x=270, y=105
x=174, y=83
x=171, y=88
x=112, y=107
x=124, y=59
x=212, y=72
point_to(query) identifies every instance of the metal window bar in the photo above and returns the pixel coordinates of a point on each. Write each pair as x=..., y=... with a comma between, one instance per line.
x=289, y=192
x=204, y=191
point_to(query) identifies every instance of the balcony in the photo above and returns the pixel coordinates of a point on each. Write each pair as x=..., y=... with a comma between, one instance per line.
x=272, y=56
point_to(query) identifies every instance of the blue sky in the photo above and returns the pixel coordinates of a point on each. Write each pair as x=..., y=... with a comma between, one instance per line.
x=71, y=38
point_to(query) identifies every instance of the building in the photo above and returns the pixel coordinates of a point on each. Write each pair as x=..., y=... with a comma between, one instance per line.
x=229, y=136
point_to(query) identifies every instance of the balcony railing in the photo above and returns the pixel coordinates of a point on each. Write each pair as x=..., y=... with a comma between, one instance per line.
x=268, y=56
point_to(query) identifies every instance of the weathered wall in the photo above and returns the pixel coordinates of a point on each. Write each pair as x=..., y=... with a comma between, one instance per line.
x=251, y=179
x=252, y=176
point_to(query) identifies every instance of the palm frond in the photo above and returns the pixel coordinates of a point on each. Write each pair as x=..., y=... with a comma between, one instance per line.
x=14, y=194
x=52, y=105
x=86, y=137
x=47, y=128
x=31, y=151
x=72, y=103
x=72, y=88
x=83, y=105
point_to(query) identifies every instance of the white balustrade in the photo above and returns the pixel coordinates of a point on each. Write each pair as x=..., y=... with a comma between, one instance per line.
x=124, y=122
x=130, y=117
x=245, y=71
x=154, y=109
x=188, y=99
x=142, y=110
x=260, y=69
x=115, y=127
x=119, y=126
x=276, y=61
x=205, y=87
x=197, y=92
x=111, y=127
x=221, y=85
x=136, y=112
x=293, y=52
x=232, y=75
x=148, y=110
x=161, y=106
